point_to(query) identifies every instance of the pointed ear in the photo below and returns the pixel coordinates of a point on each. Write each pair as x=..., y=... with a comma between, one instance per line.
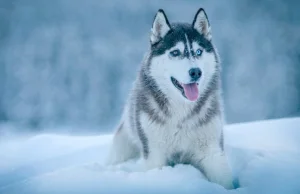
x=160, y=27
x=201, y=24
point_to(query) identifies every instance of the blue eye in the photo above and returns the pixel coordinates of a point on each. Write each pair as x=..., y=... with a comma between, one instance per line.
x=198, y=52
x=175, y=53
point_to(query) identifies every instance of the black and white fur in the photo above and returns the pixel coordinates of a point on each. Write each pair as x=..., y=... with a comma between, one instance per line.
x=159, y=123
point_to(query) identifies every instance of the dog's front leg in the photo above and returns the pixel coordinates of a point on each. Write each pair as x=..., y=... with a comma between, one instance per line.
x=155, y=160
x=216, y=168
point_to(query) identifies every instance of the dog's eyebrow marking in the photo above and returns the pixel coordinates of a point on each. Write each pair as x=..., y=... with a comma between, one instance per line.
x=196, y=46
x=179, y=45
x=188, y=44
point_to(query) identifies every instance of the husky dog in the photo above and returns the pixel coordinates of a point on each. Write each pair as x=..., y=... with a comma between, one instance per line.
x=174, y=112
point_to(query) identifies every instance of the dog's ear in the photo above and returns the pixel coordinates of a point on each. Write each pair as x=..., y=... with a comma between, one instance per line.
x=201, y=24
x=160, y=27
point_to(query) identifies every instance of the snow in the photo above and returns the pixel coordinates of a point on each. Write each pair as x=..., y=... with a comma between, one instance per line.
x=264, y=155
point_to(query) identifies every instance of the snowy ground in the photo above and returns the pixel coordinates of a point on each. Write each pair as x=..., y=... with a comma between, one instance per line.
x=265, y=157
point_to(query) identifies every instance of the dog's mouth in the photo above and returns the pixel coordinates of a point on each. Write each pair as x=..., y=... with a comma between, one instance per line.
x=189, y=91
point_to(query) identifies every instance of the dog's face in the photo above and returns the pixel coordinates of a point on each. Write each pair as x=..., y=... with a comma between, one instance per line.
x=183, y=58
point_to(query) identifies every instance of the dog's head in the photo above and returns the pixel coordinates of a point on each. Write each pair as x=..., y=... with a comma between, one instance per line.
x=182, y=58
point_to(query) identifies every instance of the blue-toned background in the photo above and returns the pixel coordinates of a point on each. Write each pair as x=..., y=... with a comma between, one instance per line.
x=72, y=62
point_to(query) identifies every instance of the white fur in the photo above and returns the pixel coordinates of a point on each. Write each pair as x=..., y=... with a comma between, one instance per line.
x=168, y=139
x=188, y=43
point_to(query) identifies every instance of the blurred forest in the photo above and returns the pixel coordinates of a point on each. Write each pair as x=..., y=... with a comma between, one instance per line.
x=72, y=62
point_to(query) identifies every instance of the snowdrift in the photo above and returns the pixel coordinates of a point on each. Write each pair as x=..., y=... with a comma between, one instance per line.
x=265, y=157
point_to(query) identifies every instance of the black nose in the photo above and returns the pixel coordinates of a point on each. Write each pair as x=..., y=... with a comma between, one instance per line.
x=195, y=73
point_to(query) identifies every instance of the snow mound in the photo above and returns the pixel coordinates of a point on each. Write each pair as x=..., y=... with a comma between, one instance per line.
x=264, y=156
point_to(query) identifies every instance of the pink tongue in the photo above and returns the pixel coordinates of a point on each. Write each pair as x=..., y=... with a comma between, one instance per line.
x=191, y=91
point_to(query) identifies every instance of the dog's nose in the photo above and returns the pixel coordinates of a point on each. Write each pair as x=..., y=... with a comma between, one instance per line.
x=195, y=73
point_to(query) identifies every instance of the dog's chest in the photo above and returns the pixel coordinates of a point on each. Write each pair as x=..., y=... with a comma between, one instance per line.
x=176, y=135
